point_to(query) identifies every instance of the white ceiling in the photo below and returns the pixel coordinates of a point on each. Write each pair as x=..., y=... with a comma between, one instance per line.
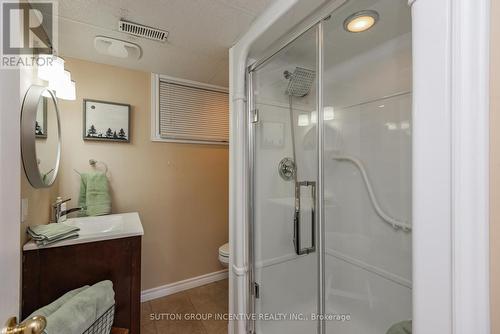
x=201, y=32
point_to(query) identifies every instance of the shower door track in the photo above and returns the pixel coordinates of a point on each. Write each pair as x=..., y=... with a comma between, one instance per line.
x=253, y=287
x=252, y=284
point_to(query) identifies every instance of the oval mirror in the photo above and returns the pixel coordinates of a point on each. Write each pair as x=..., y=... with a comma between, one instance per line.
x=40, y=136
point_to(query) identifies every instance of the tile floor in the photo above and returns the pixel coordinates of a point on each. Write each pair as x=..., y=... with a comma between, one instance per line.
x=207, y=299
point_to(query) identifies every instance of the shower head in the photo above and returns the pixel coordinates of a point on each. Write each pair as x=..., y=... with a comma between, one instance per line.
x=301, y=81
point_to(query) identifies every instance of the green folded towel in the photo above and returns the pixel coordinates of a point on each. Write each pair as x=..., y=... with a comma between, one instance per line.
x=105, y=296
x=80, y=311
x=94, y=199
x=69, y=236
x=55, y=305
x=45, y=235
x=403, y=327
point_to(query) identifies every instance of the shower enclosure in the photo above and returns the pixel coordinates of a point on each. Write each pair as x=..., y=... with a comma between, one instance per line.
x=330, y=166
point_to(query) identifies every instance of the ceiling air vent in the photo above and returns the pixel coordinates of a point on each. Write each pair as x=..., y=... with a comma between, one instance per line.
x=142, y=31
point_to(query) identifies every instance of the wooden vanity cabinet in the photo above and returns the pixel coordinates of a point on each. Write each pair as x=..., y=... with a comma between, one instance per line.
x=48, y=273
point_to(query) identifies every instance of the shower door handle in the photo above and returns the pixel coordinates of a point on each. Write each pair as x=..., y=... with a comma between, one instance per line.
x=297, y=221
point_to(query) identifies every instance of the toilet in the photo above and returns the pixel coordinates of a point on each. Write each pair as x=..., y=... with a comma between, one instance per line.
x=224, y=255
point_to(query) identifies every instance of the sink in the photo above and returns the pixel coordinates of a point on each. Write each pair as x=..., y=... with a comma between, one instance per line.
x=98, y=225
x=99, y=228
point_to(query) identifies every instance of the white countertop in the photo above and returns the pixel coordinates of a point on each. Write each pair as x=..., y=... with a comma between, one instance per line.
x=122, y=225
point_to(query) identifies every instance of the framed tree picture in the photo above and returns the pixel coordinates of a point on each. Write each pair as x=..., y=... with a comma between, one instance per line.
x=106, y=121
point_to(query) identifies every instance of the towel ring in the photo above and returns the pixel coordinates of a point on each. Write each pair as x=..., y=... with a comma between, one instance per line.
x=93, y=163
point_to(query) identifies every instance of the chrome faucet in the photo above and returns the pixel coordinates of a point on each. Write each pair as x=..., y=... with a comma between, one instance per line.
x=57, y=211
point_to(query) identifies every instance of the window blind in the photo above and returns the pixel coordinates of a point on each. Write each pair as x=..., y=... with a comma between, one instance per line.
x=193, y=113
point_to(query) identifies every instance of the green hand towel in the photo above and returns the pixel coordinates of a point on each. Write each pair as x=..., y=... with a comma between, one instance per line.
x=95, y=198
x=82, y=196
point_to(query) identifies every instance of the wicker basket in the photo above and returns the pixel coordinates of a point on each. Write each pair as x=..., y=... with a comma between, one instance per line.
x=103, y=324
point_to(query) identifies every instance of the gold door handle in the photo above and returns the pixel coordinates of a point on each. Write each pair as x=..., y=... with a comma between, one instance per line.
x=34, y=325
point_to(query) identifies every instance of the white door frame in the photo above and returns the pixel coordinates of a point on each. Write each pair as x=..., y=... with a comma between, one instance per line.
x=450, y=163
x=10, y=194
x=470, y=165
x=450, y=166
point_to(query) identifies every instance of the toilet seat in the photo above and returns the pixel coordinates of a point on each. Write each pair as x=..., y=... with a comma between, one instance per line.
x=224, y=250
x=224, y=254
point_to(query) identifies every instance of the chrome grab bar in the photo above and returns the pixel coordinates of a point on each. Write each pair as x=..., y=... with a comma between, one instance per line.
x=296, y=218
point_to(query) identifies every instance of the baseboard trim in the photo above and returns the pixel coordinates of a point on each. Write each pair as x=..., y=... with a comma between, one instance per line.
x=193, y=282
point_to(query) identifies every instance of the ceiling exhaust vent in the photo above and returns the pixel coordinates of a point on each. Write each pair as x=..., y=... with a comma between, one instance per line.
x=142, y=31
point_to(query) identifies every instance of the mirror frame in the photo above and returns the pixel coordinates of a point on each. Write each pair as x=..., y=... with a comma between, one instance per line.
x=28, y=138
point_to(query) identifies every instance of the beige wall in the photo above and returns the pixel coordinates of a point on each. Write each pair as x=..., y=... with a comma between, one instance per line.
x=39, y=202
x=179, y=190
x=495, y=168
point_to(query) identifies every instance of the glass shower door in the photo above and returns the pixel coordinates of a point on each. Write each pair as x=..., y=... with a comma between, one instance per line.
x=284, y=164
x=358, y=271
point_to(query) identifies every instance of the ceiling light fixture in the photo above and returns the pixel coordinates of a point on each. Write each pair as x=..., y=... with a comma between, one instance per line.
x=67, y=91
x=50, y=67
x=361, y=21
x=64, y=87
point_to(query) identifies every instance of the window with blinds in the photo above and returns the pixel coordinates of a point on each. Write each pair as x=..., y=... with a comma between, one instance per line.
x=192, y=113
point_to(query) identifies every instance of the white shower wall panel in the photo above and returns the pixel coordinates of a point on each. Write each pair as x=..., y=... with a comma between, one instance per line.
x=379, y=135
